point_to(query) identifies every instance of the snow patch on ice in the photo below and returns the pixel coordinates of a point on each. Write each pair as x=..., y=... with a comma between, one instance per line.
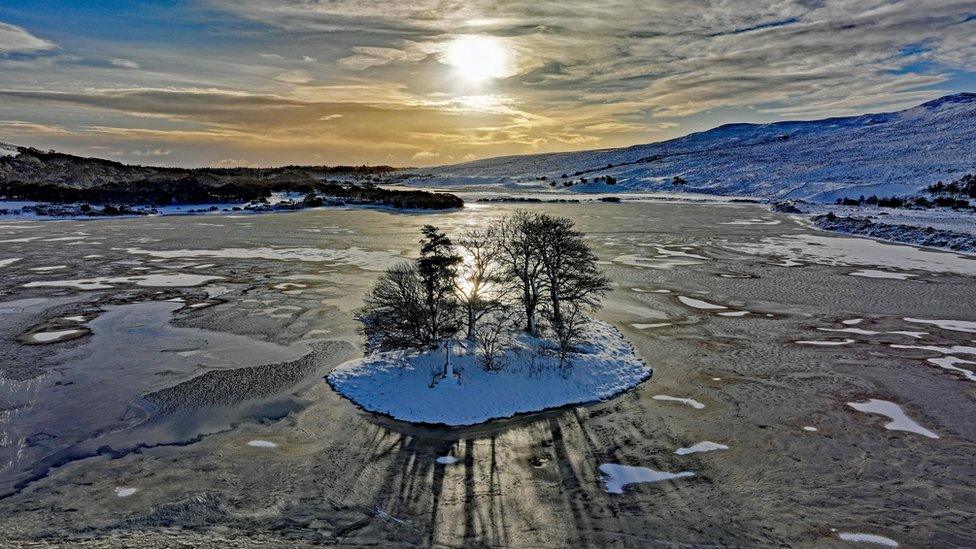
x=364, y=259
x=847, y=251
x=899, y=421
x=52, y=337
x=639, y=326
x=699, y=304
x=262, y=444
x=124, y=492
x=952, y=325
x=950, y=362
x=872, y=273
x=827, y=343
x=163, y=280
x=704, y=446
x=616, y=476
x=689, y=401
x=867, y=538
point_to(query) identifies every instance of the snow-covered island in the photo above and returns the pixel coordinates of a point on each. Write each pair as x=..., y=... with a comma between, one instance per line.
x=489, y=326
x=398, y=383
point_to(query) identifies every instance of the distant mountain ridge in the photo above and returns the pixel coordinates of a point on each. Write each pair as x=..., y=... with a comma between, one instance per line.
x=882, y=154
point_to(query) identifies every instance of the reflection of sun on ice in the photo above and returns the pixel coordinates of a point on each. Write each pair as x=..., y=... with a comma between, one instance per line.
x=478, y=58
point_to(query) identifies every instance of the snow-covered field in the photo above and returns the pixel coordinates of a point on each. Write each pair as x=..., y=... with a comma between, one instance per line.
x=398, y=383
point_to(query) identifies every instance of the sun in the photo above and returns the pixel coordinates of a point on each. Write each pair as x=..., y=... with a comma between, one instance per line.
x=478, y=58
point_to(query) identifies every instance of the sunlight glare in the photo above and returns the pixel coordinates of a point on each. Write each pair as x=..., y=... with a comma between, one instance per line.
x=478, y=58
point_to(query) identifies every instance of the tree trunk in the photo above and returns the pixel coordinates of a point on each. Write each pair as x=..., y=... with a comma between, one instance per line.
x=471, y=322
x=448, y=367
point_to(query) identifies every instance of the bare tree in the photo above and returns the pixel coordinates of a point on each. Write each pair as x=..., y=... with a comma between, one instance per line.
x=569, y=268
x=569, y=333
x=522, y=263
x=394, y=316
x=493, y=337
x=479, y=284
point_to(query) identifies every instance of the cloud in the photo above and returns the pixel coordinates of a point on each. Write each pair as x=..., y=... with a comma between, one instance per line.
x=124, y=63
x=425, y=156
x=14, y=39
x=295, y=77
x=30, y=128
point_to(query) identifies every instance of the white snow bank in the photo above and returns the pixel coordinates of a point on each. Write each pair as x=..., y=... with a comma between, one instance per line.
x=899, y=421
x=397, y=383
x=616, y=476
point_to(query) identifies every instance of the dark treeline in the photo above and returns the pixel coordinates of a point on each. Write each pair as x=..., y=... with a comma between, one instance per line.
x=62, y=178
x=955, y=195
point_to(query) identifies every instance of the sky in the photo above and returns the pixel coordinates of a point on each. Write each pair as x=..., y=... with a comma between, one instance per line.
x=431, y=82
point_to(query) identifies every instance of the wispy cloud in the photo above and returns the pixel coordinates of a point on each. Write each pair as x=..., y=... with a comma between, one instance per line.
x=14, y=39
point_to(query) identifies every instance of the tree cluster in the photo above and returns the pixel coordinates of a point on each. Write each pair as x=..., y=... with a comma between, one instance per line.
x=531, y=271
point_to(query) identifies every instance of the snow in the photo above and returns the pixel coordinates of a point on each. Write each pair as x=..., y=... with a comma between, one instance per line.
x=952, y=325
x=123, y=492
x=872, y=273
x=397, y=383
x=166, y=280
x=699, y=304
x=819, y=161
x=364, y=259
x=447, y=460
x=858, y=331
x=868, y=538
x=689, y=401
x=955, y=349
x=616, y=476
x=899, y=421
x=9, y=261
x=640, y=326
x=704, y=446
x=829, y=343
x=950, y=362
x=51, y=337
x=734, y=313
x=262, y=444
x=847, y=251
x=852, y=321
x=810, y=429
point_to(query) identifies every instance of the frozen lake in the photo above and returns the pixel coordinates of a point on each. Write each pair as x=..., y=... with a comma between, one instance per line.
x=168, y=372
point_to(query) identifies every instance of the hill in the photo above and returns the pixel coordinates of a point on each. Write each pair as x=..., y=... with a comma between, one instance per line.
x=884, y=154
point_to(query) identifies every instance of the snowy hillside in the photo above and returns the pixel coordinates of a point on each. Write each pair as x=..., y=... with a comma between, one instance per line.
x=882, y=154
